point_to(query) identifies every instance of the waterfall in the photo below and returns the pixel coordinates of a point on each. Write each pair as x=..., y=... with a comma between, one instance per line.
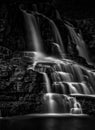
x=35, y=42
x=80, y=43
x=62, y=77
x=33, y=33
x=47, y=82
x=62, y=104
x=57, y=35
x=55, y=32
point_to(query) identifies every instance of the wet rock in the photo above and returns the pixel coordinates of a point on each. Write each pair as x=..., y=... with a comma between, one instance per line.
x=87, y=103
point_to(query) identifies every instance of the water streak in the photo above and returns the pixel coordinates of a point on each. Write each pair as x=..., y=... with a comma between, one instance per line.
x=33, y=33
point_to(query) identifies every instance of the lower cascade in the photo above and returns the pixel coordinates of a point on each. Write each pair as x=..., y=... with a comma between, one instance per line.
x=63, y=78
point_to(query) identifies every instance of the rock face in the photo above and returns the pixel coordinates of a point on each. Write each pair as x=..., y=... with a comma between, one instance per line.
x=11, y=36
x=87, y=104
x=88, y=32
x=21, y=90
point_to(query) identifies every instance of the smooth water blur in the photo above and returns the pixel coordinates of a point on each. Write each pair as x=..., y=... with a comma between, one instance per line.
x=53, y=122
x=33, y=33
x=59, y=103
x=57, y=35
x=47, y=82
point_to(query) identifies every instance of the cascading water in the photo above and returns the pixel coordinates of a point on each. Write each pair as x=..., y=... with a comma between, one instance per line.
x=47, y=82
x=62, y=77
x=57, y=36
x=80, y=44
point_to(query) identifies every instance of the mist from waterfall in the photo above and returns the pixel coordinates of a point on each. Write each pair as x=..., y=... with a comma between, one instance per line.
x=62, y=77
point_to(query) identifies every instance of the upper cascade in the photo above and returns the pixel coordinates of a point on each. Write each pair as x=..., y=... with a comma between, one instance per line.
x=33, y=34
x=34, y=38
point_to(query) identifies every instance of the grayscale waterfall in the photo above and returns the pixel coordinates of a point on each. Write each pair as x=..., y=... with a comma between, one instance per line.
x=64, y=77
